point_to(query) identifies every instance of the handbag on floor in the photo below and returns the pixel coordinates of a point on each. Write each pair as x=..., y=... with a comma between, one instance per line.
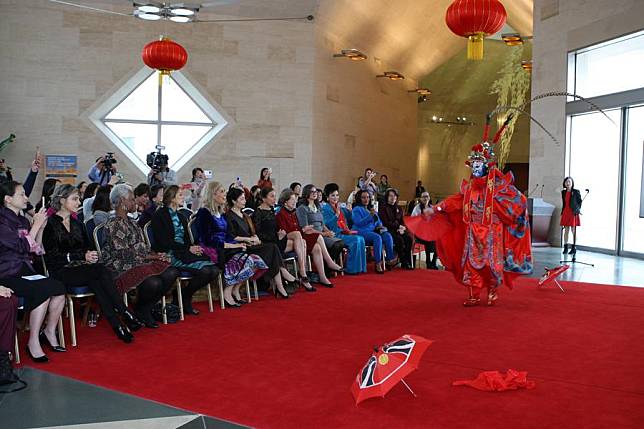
x=171, y=311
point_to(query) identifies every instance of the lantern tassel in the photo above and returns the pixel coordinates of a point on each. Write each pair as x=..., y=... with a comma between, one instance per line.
x=475, y=46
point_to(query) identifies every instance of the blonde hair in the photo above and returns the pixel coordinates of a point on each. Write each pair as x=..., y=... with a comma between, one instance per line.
x=208, y=202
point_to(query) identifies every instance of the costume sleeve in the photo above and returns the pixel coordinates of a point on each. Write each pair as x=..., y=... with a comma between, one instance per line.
x=450, y=204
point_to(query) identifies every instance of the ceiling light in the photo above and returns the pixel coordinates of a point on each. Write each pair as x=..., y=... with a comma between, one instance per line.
x=527, y=65
x=148, y=8
x=180, y=19
x=393, y=75
x=148, y=16
x=421, y=91
x=352, y=54
x=182, y=11
x=440, y=119
x=514, y=39
x=434, y=118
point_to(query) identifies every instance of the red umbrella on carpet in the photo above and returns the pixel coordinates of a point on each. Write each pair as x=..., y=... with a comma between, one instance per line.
x=550, y=276
x=388, y=365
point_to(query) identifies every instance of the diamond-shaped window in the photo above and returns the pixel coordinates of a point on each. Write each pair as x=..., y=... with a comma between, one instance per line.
x=142, y=114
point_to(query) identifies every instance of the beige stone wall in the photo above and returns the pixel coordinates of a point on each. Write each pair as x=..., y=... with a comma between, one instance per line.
x=57, y=61
x=560, y=27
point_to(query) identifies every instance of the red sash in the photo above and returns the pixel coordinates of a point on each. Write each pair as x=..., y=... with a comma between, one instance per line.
x=487, y=202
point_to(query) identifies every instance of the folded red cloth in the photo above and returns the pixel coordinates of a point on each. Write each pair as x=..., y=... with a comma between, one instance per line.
x=494, y=381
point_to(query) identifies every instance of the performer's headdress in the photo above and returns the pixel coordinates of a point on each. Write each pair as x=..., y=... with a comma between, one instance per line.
x=484, y=151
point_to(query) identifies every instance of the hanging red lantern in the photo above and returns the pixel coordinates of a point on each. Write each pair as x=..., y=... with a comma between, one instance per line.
x=475, y=19
x=165, y=56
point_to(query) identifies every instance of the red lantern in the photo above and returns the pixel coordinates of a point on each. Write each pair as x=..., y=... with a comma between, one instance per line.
x=165, y=56
x=475, y=19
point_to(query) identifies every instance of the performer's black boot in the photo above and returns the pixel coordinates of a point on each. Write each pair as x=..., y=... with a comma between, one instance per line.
x=565, y=249
x=573, y=250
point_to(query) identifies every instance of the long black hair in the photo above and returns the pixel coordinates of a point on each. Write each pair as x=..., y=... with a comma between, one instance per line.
x=357, y=200
x=102, y=199
x=90, y=190
x=263, y=194
x=571, y=180
x=47, y=191
x=8, y=188
x=233, y=195
x=306, y=193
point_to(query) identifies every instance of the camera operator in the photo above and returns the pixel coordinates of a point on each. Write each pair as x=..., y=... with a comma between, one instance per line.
x=160, y=173
x=104, y=169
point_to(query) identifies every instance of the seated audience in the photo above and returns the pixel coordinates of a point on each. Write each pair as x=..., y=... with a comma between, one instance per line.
x=101, y=206
x=81, y=189
x=287, y=220
x=430, y=246
x=391, y=216
x=170, y=230
x=155, y=200
x=212, y=234
x=309, y=214
x=43, y=297
x=47, y=190
x=335, y=218
x=297, y=188
x=141, y=199
x=70, y=261
x=254, y=201
x=242, y=230
x=126, y=252
x=368, y=225
x=382, y=188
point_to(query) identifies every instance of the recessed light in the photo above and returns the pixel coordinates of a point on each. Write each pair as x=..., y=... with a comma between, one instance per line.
x=148, y=16
x=148, y=8
x=182, y=11
x=180, y=19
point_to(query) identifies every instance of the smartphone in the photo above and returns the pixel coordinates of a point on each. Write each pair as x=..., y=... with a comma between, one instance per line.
x=207, y=174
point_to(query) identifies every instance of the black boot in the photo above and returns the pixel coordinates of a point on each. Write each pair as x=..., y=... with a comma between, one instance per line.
x=123, y=333
x=565, y=249
x=573, y=250
x=7, y=375
x=132, y=322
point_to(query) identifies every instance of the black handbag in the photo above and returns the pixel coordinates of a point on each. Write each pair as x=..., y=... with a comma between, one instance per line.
x=171, y=311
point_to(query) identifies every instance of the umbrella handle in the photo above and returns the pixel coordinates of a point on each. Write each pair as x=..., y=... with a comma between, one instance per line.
x=408, y=388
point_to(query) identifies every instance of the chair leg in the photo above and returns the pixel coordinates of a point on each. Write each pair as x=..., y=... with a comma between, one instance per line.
x=180, y=297
x=61, y=332
x=255, y=289
x=72, y=320
x=248, y=290
x=210, y=308
x=221, y=292
x=17, y=350
x=87, y=308
x=163, y=314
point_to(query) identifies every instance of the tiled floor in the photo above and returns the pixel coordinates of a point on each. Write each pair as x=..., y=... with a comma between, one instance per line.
x=54, y=401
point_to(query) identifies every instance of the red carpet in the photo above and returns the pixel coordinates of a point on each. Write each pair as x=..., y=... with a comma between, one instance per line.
x=290, y=363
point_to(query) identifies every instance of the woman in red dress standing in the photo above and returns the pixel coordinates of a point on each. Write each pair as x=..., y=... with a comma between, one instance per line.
x=571, y=199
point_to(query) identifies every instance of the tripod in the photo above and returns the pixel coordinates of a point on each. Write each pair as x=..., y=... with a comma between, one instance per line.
x=574, y=255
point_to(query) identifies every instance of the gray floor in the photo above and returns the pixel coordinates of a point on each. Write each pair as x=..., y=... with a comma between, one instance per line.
x=54, y=401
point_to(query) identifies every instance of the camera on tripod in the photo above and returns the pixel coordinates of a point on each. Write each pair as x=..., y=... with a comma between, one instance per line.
x=157, y=160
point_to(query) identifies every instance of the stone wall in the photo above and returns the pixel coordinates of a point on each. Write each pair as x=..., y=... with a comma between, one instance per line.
x=560, y=27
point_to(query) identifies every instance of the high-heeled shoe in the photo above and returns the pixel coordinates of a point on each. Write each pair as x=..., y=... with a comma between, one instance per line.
x=279, y=294
x=329, y=285
x=133, y=323
x=44, y=340
x=239, y=301
x=339, y=270
x=123, y=334
x=304, y=282
x=39, y=359
x=229, y=305
x=379, y=269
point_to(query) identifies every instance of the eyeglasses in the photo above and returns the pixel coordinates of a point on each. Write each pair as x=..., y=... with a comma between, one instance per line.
x=314, y=191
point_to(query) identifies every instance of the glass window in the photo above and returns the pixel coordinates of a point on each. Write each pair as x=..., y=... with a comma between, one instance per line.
x=633, y=224
x=142, y=115
x=608, y=67
x=593, y=154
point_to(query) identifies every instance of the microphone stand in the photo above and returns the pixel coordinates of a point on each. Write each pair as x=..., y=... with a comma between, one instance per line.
x=574, y=256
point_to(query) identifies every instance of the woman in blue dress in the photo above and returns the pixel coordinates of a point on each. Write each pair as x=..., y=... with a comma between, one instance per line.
x=212, y=232
x=170, y=231
x=336, y=220
x=368, y=225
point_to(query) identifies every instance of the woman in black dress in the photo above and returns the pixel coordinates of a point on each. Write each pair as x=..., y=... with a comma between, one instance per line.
x=242, y=230
x=268, y=232
x=70, y=260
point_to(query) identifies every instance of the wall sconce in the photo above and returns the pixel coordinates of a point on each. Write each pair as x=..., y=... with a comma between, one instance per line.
x=423, y=98
x=514, y=39
x=352, y=54
x=527, y=65
x=421, y=91
x=460, y=120
x=393, y=75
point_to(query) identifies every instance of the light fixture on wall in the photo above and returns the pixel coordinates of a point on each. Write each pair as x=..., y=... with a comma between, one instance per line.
x=393, y=75
x=423, y=98
x=352, y=54
x=514, y=39
x=459, y=120
x=421, y=91
x=527, y=65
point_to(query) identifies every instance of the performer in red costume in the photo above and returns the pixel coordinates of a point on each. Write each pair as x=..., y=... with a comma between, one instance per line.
x=482, y=234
